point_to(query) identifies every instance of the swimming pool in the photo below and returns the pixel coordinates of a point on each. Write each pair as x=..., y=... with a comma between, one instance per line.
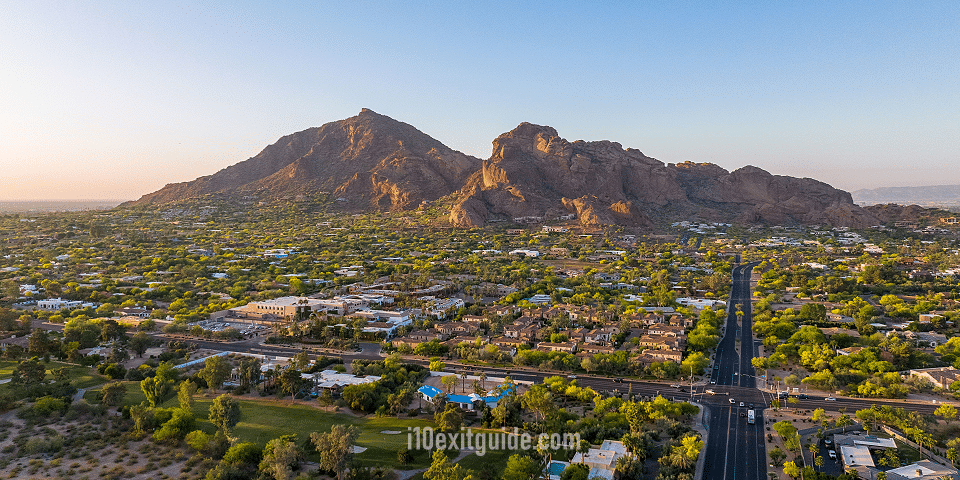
x=557, y=467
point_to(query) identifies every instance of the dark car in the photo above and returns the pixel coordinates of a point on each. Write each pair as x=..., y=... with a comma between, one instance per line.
x=617, y=380
x=802, y=396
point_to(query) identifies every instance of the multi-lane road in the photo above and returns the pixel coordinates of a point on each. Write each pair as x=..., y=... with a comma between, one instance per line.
x=735, y=448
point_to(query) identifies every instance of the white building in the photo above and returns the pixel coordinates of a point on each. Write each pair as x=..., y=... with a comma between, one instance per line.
x=602, y=461
x=57, y=304
x=442, y=306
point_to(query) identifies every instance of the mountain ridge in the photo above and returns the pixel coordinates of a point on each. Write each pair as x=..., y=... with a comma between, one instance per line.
x=371, y=161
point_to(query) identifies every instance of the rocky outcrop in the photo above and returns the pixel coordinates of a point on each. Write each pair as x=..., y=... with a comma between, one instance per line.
x=368, y=161
x=533, y=172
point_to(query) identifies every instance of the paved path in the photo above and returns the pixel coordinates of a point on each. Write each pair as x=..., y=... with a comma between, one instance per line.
x=81, y=391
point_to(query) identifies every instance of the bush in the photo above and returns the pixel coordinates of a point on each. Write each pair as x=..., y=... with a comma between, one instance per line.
x=171, y=431
x=37, y=445
x=44, y=407
x=247, y=452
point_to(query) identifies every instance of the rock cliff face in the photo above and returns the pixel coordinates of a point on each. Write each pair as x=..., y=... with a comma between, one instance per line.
x=370, y=161
x=535, y=173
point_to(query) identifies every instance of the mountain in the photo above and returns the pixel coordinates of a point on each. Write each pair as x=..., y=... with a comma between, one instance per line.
x=371, y=161
x=928, y=195
x=367, y=161
x=533, y=172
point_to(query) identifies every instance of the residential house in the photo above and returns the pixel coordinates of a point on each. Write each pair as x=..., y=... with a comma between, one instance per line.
x=942, y=377
x=566, y=347
x=593, y=348
x=456, y=328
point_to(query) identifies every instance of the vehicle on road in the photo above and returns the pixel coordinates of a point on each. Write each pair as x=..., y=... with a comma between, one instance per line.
x=572, y=377
x=829, y=399
x=617, y=380
x=713, y=382
x=709, y=392
x=743, y=414
x=674, y=386
x=783, y=395
x=741, y=405
x=802, y=396
x=732, y=401
x=751, y=416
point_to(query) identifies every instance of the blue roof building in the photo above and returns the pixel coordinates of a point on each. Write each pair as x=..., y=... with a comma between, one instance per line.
x=467, y=401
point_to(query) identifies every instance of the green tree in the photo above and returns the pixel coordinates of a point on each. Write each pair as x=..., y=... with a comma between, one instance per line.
x=180, y=423
x=225, y=413
x=450, y=419
x=449, y=382
x=216, y=370
x=279, y=457
x=946, y=411
x=576, y=471
x=112, y=394
x=29, y=372
x=185, y=394
x=695, y=362
x=39, y=343
x=301, y=361
x=335, y=448
x=291, y=381
x=441, y=468
x=142, y=416
x=777, y=456
x=521, y=467
x=844, y=421
x=791, y=469
x=139, y=343
x=155, y=389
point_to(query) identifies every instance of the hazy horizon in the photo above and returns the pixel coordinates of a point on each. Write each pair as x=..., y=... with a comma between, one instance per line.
x=122, y=100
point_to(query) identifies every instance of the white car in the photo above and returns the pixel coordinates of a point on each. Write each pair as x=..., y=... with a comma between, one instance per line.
x=732, y=401
x=832, y=453
x=741, y=404
x=829, y=399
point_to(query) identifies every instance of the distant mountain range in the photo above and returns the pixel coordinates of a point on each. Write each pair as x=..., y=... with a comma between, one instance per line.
x=371, y=161
x=934, y=195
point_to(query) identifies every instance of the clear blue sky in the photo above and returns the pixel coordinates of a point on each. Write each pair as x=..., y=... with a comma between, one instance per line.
x=116, y=99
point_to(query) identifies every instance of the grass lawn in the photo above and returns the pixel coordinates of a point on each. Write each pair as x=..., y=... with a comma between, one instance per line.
x=82, y=377
x=264, y=419
x=6, y=368
x=907, y=453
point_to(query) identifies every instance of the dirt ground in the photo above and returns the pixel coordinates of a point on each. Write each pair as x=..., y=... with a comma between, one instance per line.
x=86, y=451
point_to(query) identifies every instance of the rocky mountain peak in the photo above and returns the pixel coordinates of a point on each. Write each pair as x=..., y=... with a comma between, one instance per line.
x=371, y=161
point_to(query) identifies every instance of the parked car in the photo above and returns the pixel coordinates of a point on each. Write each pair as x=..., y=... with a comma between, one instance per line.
x=832, y=453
